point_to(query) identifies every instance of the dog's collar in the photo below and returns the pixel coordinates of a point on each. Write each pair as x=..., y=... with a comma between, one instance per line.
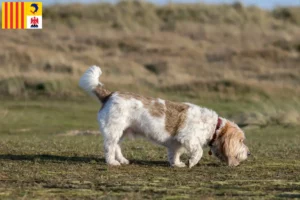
x=215, y=133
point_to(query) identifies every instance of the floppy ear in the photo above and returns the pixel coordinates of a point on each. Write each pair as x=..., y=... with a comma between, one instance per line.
x=228, y=144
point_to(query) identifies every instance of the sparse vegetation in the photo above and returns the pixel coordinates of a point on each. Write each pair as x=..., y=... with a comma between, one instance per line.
x=154, y=46
x=241, y=61
x=40, y=159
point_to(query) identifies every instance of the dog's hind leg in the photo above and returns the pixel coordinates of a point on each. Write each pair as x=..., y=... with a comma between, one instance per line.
x=112, y=125
x=110, y=147
x=119, y=156
x=113, y=154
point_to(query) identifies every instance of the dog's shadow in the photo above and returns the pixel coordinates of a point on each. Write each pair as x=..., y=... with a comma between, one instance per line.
x=76, y=159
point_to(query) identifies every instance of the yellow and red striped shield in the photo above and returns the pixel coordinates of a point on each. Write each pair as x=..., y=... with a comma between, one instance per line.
x=22, y=15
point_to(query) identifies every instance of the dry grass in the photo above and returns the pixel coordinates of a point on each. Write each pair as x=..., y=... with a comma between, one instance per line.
x=197, y=53
x=158, y=47
x=194, y=53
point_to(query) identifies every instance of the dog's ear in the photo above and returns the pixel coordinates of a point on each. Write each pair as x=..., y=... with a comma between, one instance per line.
x=229, y=142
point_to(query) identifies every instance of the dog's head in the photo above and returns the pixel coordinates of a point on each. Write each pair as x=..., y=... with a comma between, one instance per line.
x=229, y=144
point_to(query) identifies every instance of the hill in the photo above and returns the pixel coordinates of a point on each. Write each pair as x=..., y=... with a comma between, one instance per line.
x=186, y=52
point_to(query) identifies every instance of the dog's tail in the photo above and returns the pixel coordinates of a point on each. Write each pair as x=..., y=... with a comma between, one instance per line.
x=89, y=81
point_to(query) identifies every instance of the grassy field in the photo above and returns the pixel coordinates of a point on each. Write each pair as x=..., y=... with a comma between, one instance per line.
x=40, y=159
x=243, y=62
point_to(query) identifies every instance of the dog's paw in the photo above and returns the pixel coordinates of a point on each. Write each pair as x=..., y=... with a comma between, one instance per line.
x=124, y=161
x=192, y=163
x=113, y=163
x=181, y=164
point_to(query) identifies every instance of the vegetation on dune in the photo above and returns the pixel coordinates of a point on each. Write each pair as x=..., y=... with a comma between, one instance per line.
x=159, y=47
x=150, y=15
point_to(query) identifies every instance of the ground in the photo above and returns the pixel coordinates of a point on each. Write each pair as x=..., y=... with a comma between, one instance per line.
x=40, y=160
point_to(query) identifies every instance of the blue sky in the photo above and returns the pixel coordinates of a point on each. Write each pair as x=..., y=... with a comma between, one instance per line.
x=267, y=4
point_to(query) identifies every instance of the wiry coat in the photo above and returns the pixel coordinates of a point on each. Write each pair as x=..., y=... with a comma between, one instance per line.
x=174, y=125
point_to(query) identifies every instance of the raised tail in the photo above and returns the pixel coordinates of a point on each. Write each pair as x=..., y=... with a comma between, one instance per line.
x=89, y=81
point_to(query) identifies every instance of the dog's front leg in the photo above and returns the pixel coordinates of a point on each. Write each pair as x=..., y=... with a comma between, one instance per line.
x=196, y=155
x=174, y=153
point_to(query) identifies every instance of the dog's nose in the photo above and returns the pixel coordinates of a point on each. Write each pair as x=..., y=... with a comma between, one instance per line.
x=248, y=154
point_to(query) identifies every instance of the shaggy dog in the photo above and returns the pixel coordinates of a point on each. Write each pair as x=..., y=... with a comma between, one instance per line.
x=177, y=126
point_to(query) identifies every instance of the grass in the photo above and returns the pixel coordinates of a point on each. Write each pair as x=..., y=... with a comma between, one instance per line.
x=38, y=162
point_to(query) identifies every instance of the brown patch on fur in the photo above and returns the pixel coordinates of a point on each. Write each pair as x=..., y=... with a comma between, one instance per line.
x=175, y=113
x=102, y=93
x=155, y=108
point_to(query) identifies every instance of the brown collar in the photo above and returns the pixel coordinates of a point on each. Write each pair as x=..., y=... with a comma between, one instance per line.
x=215, y=133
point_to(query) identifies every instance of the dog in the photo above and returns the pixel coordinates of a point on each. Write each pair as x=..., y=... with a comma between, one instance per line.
x=180, y=127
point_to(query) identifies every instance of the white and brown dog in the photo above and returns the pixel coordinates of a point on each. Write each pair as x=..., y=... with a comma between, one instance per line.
x=177, y=126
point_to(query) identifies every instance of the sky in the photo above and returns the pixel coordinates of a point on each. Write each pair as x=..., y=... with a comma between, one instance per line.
x=266, y=4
